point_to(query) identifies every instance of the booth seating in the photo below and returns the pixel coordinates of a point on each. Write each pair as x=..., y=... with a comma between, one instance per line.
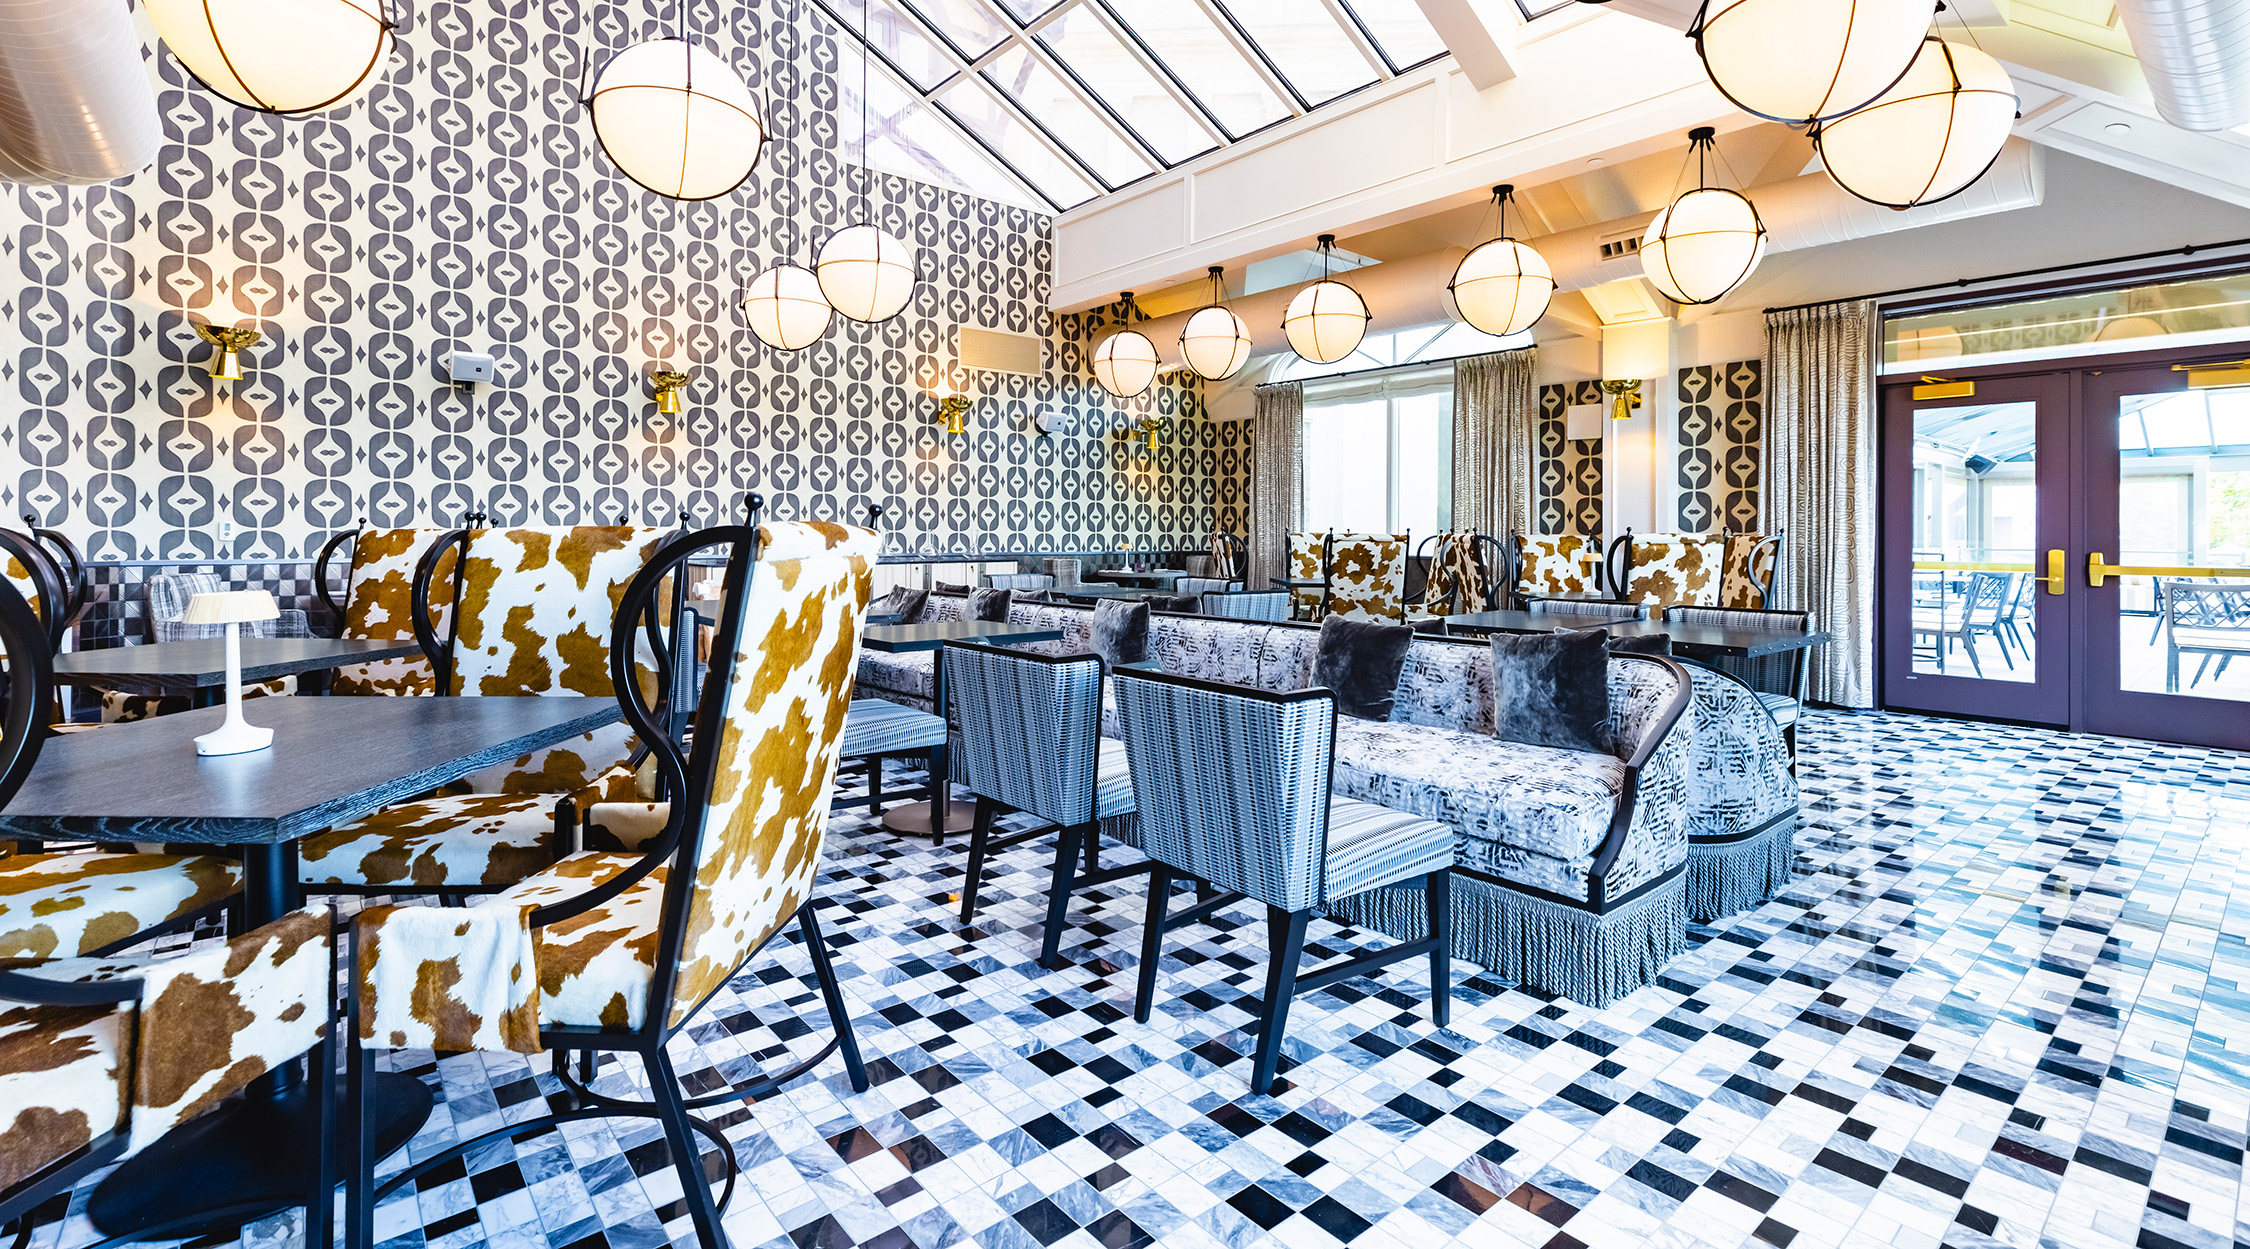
x=1571, y=866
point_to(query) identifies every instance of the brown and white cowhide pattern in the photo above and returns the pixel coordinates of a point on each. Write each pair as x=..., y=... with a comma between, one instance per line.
x=450, y=979
x=459, y=841
x=1456, y=584
x=1747, y=557
x=1306, y=550
x=1554, y=564
x=1674, y=569
x=61, y=1083
x=69, y=905
x=1367, y=577
x=380, y=605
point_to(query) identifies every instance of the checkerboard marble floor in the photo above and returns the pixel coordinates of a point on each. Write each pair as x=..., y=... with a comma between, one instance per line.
x=2002, y=1004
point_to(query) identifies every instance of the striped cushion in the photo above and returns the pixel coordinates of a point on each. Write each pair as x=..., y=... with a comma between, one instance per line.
x=1370, y=846
x=876, y=727
x=1782, y=707
x=1113, y=781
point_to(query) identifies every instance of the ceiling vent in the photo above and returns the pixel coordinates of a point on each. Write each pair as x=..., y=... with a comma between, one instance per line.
x=991, y=351
x=1617, y=247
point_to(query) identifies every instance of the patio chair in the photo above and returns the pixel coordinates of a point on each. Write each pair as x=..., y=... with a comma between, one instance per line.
x=2205, y=619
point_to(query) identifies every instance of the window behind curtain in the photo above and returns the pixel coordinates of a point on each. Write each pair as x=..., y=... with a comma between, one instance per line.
x=1379, y=453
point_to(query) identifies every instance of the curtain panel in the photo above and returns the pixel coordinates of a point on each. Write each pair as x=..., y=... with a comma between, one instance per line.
x=1820, y=484
x=1277, y=480
x=1495, y=441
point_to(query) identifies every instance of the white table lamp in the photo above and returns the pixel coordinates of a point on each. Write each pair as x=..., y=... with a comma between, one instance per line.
x=232, y=608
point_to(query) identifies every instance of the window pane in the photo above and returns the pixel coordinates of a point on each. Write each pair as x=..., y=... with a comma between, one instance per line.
x=974, y=106
x=1100, y=59
x=909, y=139
x=1027, y=10
x=1399, y=29
x=1425, y=433
x=1058, y=107
x=1178, y=34
x=972, y=26
x=2177, y=421
x=1346, y=445
x=1304, y=42
x=895, y=37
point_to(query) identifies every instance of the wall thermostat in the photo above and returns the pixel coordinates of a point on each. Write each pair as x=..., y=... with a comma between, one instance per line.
x=469, y=368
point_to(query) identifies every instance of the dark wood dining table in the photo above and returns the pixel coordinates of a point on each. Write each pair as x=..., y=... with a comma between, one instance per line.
x=922, y=818
x=1693, y=640
x=198, y=667
x=333, y=761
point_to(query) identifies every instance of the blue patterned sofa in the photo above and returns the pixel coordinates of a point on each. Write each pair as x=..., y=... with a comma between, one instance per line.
x=1570, y=867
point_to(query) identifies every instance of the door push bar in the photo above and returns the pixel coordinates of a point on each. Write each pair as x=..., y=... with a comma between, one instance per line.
x=2097, y=571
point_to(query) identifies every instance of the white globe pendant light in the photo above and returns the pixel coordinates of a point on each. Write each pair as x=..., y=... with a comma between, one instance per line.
x=1703, y=244
x=1215, y=341
x=1502, y=287
x=1327, y=319
x=1927, y=138
x=277, y=56
x=1802, y=61
x=674, y=117
x=1125, y=362
x=785, y=308
x=867, y=274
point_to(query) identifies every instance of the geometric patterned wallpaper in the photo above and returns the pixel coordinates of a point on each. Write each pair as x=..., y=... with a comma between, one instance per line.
x=464, y=203
x=1722, y=417
x=1567, y=486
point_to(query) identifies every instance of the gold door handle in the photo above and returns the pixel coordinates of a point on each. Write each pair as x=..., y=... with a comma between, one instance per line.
x=2097, y=571
x=2056, y=578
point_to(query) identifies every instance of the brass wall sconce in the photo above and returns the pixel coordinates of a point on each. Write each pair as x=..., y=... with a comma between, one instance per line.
x=668, y=387
x=1627, y=396
x=1148, y=430
x=954, y=411
x=231, y=341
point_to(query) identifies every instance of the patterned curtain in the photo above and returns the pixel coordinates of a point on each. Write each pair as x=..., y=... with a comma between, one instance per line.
x=1277, y=480
x=1495, y=441
x=1820, y=485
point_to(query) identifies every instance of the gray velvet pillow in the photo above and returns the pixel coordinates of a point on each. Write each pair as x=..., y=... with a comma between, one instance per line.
x=1189, y=603
x=1359, y=662
x=989, y=604
x=907, y=604
x=1120, y=632
x=1552, y=689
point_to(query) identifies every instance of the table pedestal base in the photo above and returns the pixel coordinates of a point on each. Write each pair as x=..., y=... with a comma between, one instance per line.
x=244, y=1161
x=914, y=818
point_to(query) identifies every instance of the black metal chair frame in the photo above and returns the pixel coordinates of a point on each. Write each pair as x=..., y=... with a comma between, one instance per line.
x=1287, y=929
x=70, y=566
x=2169, y=604
x=1492, y=566
x=691, y=775
x=54, y=614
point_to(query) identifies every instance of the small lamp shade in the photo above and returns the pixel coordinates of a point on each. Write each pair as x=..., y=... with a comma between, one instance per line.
x=231, y=607
x=1502, y=287
x=674, y=117
x=1216, y=343
x=866, y=274
x=1801, y=61
x=1930, y=136
x=1325, y=322
x=277, y=56
x=1125, y=363
x=1703, y=245
x=786, y=309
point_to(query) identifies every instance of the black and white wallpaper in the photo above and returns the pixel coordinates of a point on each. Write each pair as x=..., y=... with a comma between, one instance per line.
x=1567, y=487
x=464, y=204
x=1722, y=419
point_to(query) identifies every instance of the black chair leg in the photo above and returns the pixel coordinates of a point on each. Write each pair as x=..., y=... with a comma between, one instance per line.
x=875, y=784
x=1058, y=896
x=980, y=841
x=816, y=943
x=1093, y=849
x=1152, y=939
x=359, y=1191
x=687, y=1156
x=588, y=1060
x=1437, y=897
x=320, y=1203
x=1288, y=940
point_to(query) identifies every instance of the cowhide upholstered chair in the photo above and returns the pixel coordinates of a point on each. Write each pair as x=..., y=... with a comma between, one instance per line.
x=1233, y=788
x=1749, y=563
x=1465, y=572
x=101, y=1057
x=82, y=903
x=379, y=603
x=534, y=616
x=619, y=951
x=1367, y=576
x=1666, y=570
x=1554, y=565
x=1308, y=574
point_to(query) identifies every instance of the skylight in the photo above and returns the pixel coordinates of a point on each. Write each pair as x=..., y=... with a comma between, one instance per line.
x=1049, y=103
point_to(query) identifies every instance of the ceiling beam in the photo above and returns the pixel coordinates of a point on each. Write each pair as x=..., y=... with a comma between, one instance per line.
x=1479, y=46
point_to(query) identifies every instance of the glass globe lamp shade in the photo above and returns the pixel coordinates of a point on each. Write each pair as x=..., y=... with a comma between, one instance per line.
x=1703, y=245
x=277, y=56
x=1216, y=343
x=1502, y=287
x=1930, y=136
x=1801, y=61
x=1325, y=322
x=1125, y=363
x=867, y=275
x=677, y=119
x=785, y=307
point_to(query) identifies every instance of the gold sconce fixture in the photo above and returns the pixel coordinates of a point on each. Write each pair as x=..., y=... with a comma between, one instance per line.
x=1627, y=396
x=1148, y=430
x=231, y=341
x=668, y=387
x=954, y=411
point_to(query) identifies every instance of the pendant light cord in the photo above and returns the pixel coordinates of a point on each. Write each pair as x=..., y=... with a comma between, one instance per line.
x=866, y=53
